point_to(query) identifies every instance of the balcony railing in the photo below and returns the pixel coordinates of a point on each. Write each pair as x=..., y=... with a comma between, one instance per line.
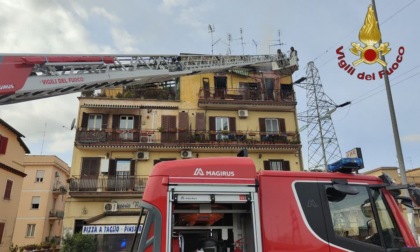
x=264, y=96
x=156, y=137
x=56, y=214
x=107, y=183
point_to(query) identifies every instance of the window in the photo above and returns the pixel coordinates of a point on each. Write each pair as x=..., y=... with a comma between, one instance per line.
x=271, y=126
x=2, y=224
x=126, y=123
x=94, y=122
x=3, y=144
x=30, y=230
x=39, y=176
x=222, y=128
x=277, y=165
x=8, y=190
x=353, y=217
x=35, y=202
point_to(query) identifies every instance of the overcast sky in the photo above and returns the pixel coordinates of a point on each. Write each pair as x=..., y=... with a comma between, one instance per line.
x=315, y=28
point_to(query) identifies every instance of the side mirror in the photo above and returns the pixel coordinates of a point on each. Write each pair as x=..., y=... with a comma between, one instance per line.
x=342, y=186
x=415, y=195
x=406, y=201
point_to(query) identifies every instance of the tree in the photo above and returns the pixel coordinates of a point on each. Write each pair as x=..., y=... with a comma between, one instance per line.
x=79, y=242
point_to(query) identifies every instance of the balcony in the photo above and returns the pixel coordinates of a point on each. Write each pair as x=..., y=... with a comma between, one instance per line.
x=200, y=139
x=56, y=215
x=59, y=190
x=234, y=98
x=107, y=186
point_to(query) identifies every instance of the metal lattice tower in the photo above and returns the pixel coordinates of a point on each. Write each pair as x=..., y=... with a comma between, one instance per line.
x=323, y=146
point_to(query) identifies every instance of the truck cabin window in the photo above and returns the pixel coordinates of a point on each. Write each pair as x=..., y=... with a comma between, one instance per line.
x=354, y=217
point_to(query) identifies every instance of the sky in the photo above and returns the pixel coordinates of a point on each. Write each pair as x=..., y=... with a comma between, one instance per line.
x=314, y=28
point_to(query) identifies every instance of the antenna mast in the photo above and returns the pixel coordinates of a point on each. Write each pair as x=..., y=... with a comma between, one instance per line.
x=256, y=45
x=211, y=31
x=279, y=42
x=242, y=41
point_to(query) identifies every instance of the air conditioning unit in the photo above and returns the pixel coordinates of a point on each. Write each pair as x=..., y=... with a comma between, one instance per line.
x=110, y=207
x=186, y=154
x=142, y=155
x=243, y=113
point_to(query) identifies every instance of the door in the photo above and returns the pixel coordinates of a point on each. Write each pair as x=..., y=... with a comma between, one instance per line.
x=206, y=87
x=220, y=83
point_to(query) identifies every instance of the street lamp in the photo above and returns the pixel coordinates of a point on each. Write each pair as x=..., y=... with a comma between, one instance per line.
x=410, y=212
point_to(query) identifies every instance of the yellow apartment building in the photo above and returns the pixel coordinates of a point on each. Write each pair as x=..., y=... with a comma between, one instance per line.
x=12, y=153
x=41, y=207
x=122, y=133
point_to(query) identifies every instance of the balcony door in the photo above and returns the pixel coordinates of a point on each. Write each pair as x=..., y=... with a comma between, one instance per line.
x=220, y=83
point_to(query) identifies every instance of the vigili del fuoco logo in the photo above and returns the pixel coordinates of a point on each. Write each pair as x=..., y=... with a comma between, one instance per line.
x=369, y=53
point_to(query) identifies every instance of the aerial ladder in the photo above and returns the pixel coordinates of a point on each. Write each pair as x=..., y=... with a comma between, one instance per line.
x=30, y=77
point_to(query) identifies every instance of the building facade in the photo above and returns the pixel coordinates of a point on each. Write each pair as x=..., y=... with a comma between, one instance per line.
x=122, y=133
x=41, y=207
x=12, y=153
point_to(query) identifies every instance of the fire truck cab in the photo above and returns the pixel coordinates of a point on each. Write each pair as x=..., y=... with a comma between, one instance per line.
x=224, y=204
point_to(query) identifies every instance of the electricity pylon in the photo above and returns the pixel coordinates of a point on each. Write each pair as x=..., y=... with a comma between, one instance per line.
x=323, y=147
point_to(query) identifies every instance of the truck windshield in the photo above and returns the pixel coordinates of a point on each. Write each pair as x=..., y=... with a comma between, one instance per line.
x=363, y=217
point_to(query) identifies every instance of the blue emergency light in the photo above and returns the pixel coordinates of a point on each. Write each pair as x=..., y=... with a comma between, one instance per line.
x=346, y=165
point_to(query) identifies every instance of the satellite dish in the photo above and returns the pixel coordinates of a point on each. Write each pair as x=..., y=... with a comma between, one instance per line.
x=72, y=124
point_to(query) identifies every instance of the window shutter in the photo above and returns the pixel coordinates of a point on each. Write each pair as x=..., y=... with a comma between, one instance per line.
x=2, y=224
x=85, y=118
x=115, y=121
x=266, y=165
x=183, y=121
x=184, y=130
x=112, y=167
x=3, y=144
x=262, y=124
x=282, y=125
x=104, y=121
x=8, y=191
x=136, y=122
x=212, y=127
x=286, y=166
x=199, y=122
x=232, y=124
x=132, y=167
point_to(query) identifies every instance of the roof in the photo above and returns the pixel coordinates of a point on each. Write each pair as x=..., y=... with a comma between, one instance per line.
x=380, y=169
x=18, y=134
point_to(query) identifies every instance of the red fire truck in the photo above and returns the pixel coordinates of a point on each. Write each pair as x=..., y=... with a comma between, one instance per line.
x=224, y=204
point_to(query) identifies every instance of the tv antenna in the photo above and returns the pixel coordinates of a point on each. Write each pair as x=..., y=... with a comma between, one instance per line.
x=279, y=43
x=256, y=45
x=211, y=31
x=242, y=40
x=229, y=36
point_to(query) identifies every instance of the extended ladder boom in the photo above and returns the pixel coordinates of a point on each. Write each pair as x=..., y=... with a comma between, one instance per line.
x=29, y=77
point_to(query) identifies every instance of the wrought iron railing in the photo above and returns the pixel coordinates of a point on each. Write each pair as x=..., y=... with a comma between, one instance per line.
x=56, y=214
x=107, y=183
x=186, y=136
x=238, y=94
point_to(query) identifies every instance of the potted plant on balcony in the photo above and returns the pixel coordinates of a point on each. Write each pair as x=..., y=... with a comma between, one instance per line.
x=225, y=132
x=252, y=133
